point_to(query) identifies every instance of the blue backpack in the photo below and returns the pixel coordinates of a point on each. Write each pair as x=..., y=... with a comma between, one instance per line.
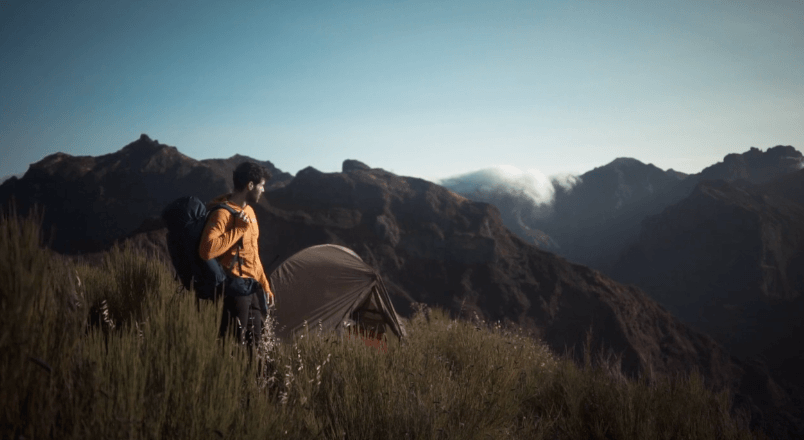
x=185, y=219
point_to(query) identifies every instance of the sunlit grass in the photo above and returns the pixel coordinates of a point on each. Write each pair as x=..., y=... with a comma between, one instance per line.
x=116, y=351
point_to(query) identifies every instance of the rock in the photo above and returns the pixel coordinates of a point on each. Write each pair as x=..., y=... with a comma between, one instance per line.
x=387, y=229
x=352, y=165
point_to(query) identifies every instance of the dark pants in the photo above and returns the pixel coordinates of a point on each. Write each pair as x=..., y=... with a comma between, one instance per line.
x=242, y=315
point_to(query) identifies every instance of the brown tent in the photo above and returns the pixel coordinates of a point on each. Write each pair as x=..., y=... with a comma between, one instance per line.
x=331, y=284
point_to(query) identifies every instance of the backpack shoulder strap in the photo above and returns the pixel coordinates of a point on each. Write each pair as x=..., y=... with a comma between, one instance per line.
x=224, y=206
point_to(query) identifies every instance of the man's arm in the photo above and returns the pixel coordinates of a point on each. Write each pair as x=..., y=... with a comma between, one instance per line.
x=216, y=239
x=263, y=279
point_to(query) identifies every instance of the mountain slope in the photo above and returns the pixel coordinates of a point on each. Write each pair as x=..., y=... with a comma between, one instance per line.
x=730, y=260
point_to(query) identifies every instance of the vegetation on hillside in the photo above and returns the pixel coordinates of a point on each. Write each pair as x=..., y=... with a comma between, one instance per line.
x=119, y=351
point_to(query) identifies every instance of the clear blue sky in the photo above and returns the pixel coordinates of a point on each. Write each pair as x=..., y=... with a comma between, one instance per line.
x=429, y=89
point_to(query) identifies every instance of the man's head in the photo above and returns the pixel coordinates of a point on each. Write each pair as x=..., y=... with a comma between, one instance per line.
x=250, y=178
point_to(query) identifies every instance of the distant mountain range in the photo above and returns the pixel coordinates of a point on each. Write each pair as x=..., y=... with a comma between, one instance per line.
x=431, y=245
x=596, y=219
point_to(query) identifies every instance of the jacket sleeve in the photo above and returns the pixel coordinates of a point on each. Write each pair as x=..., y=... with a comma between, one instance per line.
x=216, y=239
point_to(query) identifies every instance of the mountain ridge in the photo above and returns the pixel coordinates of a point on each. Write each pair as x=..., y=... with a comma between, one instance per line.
x=595, y=220
x=119, y=189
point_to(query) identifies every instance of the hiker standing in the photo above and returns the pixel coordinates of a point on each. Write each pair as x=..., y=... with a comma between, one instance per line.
x=233, y=239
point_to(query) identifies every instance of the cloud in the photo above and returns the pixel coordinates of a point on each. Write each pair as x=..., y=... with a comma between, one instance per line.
x=566, y=181
x=503, y=178
x=526, y=194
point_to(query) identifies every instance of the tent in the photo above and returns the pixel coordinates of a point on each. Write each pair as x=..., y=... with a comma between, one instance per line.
x=331, y=284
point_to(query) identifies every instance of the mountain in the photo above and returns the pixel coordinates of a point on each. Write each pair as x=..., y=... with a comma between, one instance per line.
x=595, y=220
x=755, y=165
x=729, y=259
x=436, y=247
x=94, y=200
x=604, y=210
x=587, y=221
x=432, y=246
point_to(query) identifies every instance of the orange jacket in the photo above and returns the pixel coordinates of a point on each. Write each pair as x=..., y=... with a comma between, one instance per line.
x=220, y=235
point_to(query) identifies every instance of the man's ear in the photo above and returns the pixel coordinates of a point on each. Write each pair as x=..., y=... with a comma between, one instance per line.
x=251, y=186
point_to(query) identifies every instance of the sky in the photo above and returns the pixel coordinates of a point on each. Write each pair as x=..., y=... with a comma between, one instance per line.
x=430, y=89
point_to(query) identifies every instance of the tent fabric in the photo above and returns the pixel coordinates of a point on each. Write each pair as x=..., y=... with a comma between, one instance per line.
x=331, y=284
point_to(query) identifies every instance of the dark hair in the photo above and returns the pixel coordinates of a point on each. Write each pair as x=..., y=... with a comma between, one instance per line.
x=249, y=172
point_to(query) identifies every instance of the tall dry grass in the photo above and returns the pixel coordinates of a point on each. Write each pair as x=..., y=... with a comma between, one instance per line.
x=116, y=352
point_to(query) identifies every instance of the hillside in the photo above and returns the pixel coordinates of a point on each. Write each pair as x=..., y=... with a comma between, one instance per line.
x=122, y=355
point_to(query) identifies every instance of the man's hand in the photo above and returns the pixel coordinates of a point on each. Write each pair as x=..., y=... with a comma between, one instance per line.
x=242, y=219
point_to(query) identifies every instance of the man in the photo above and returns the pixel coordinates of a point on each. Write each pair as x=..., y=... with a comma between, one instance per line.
x=244, y=308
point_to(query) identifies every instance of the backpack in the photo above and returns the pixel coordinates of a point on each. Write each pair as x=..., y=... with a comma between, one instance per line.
x=185, y=219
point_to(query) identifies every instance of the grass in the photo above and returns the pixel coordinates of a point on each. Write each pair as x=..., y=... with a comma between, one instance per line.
x=117, y=351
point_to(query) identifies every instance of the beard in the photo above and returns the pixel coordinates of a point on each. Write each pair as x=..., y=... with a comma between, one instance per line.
x=252, y=197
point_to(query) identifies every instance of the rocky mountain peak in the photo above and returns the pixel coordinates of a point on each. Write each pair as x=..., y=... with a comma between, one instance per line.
x=677, y=174
x=351, y=165
x=755, y=165
x=627, y=161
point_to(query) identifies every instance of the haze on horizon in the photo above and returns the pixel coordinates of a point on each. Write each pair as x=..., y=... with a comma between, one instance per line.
x=419, y=88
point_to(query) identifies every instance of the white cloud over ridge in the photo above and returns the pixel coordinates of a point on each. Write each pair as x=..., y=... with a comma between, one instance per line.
x=510, y=180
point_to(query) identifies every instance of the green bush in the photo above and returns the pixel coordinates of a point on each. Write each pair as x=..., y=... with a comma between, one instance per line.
x=116, y=351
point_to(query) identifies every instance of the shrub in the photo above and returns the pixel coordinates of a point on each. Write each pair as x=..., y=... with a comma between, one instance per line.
x=154, y=367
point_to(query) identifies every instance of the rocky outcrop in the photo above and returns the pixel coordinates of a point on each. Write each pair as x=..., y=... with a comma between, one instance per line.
x=755, y=165
x=352, y=165
x=677, y=174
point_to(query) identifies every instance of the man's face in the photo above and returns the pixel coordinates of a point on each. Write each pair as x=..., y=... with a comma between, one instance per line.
x=253, y=196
